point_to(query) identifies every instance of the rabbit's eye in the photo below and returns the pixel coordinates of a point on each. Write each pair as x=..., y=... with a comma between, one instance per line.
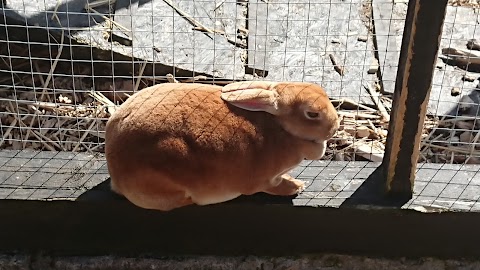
x=312, y=115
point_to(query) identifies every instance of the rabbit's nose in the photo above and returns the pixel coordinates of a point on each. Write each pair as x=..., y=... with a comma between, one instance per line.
x=334, y=129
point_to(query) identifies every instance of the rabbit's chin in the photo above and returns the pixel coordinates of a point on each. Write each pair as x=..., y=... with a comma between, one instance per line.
x=316, y=141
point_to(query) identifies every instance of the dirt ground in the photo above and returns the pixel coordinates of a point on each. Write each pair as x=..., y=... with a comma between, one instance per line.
x=320, y=262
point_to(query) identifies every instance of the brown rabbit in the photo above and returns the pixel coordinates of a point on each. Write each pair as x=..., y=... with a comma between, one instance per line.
x=176, y=144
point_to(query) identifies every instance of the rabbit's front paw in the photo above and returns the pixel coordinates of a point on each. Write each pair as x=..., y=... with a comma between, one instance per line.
x=288, y=186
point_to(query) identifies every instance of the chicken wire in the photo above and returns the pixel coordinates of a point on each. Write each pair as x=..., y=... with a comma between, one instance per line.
x=66, y=64
x=57, y=89
x=453, y=105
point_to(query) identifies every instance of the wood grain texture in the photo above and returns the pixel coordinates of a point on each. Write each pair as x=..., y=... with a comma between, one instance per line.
x=421, y=40
x=299, y=38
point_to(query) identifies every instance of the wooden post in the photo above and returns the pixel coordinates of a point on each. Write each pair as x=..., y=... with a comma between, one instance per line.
x=420, y=45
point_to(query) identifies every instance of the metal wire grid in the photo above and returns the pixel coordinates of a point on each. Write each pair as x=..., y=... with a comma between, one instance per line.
x=454, y=99
x=49, y=175
x=53, y=102
x=438, y=187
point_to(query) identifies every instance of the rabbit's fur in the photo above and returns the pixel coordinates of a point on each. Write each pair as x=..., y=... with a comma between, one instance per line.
x=176, y=144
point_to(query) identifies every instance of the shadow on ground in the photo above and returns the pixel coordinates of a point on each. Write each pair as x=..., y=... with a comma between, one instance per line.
x=102, y=192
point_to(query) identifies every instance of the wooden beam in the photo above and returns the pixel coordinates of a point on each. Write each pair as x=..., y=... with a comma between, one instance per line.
x=420, y=44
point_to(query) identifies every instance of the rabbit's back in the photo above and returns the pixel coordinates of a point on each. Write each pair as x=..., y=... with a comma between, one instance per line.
x=194, y=114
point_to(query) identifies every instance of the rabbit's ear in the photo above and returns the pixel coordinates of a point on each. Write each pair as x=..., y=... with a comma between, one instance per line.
x=252, y=96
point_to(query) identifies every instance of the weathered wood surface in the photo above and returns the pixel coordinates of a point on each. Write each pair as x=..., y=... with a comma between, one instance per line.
x=387, y=20
x=257, y=39
x=37, y=175
x=420, y=45
x=159, y=33
x=459, y=27
x=124, y=13
x=299, y=41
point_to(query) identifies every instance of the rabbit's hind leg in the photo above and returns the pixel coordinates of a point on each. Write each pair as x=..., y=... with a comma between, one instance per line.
x=153, y=190
x=287, y=186
x=161, y=201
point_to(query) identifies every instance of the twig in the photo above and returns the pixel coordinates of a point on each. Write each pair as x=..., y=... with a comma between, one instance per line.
x=111, y=107
x=49, y=147
x=199, y=26
x=358, y=115
x=84, y=136
x=372, y=126
x=208, y=30
x=337, y=67
x=352, y=103
x=42, y=81
x=240, y=44
x=171, y=78
x=473, y=44
x=376, y=99
x=187, y=17
x=472, y=146
x=107, y=19
x=218, y=5
x=29, y=129
x=461, y=57
x=52, y=106
x=458, y=119
x=40, y=137
x=97, y=133
x=140, y=74
x=9, y=129
x=59, y=52
x=89, y=150
x=194, y=79
x=452, y=148
x=95, y=147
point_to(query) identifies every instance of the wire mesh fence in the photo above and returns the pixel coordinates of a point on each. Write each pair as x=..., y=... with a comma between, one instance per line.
x=74, y=61
x=66, y=64
x=453, y=103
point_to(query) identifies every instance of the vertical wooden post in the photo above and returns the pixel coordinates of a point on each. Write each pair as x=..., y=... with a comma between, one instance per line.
x=420, y=45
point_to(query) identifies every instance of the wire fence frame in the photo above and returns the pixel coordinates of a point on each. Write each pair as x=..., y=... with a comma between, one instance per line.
x=138, y=81
x=56, y=87
x=90, y=123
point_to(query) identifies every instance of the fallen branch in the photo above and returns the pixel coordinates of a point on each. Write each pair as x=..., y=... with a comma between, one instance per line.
x=376, y=99
x=200, y=27
x=339, y=69
x=353, y=104
x=473, y=44
x=461, y=58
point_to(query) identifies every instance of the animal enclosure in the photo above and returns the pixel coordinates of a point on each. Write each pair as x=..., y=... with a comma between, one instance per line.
x=66, y=65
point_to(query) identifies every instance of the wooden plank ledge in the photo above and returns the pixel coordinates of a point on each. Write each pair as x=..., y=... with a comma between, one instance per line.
x=59, y=202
